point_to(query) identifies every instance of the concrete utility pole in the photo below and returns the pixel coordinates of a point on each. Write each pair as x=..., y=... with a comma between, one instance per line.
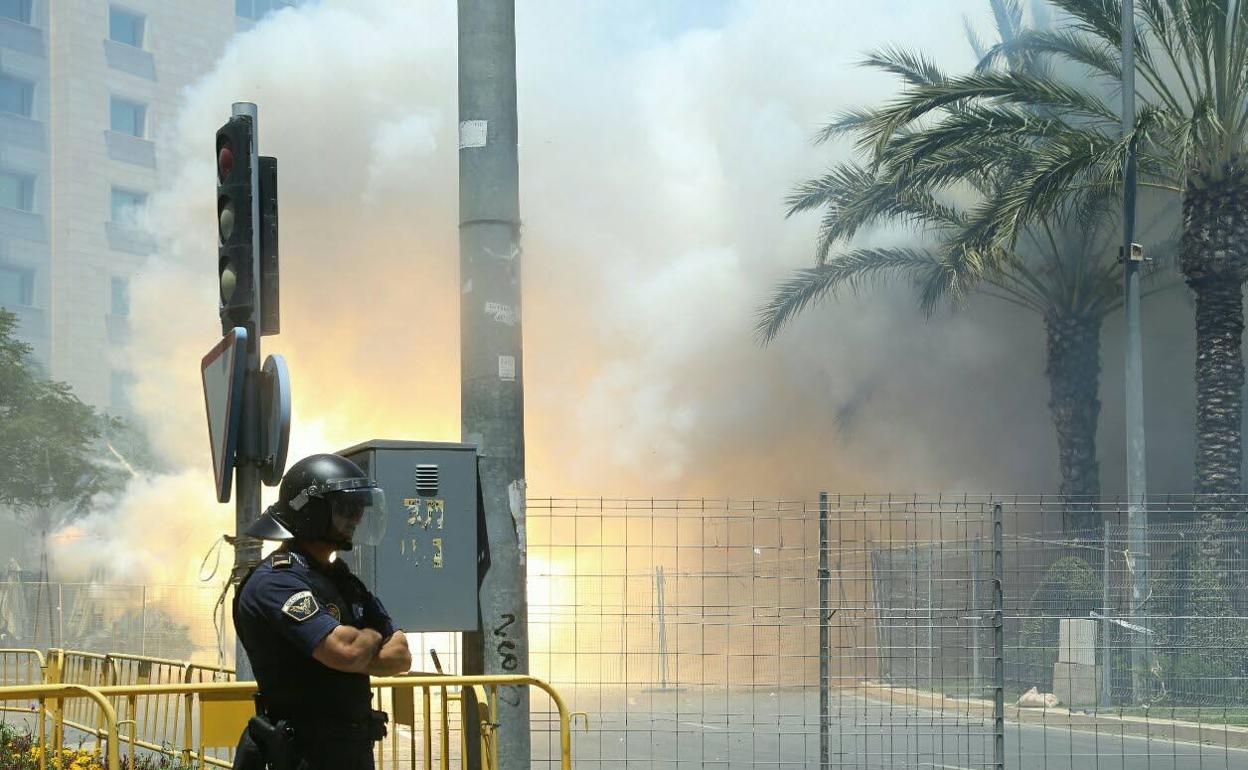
x=491, y=382
x=1137, y=488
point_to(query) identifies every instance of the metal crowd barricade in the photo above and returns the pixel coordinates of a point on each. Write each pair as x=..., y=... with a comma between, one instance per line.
x=200, y=722
x=49, y=698
x=21, y=666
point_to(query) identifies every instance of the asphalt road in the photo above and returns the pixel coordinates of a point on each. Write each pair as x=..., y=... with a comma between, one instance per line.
x=717, y=730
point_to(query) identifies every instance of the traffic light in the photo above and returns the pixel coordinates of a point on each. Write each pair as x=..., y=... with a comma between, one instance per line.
x=270, y=316
x=236, y=222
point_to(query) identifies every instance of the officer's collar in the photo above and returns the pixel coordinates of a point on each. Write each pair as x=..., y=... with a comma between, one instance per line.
x=336, y=566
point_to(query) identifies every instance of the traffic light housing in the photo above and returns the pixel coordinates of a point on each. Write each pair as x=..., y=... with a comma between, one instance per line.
x=270, y=314
x=237, y=240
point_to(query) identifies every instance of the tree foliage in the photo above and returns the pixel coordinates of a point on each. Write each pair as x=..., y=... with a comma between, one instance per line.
x=52, y=452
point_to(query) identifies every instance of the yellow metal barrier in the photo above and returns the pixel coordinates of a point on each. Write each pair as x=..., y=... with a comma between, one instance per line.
x=49, y=697
x=21, y=666
x=198, y=673
x=200, y=722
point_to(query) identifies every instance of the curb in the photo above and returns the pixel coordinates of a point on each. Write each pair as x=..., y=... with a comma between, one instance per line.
x=1228, y=736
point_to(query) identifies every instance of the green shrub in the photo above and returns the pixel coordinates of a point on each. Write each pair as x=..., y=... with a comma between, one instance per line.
x=20, y=750
x=1201, y=640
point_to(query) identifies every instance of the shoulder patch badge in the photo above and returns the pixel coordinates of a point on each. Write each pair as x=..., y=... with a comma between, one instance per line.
x=301, y=606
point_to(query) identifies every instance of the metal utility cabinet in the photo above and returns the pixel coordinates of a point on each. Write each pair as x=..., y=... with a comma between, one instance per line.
x=425, y=569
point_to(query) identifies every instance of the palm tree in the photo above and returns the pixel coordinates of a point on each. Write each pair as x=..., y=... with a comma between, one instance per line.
x=1190, y=133
x=1062, y=267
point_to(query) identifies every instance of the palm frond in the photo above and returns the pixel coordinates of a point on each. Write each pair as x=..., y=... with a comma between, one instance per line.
x=972, y=38
x=951, y=279
x=1041, y=15
x=852, y=269
x=883, y=199
x=999, y=87
x=1009, y=17
x=979, y=130
x=1057, y=174
x=847, y=122
x=1100, y=18
x=1165, y=21
x=1101, y=59
x=1103, y=20
x=841, y=182
x=855, y=197
x=911, y=66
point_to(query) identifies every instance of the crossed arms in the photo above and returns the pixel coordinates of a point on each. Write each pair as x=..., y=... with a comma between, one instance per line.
x=364, y=651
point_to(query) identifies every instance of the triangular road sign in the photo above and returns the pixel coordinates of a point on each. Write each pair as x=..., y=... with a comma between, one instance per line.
x=222, y=371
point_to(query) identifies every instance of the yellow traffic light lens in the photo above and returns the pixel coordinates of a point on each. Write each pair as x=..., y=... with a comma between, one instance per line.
x=228, y=282
x=227, y=220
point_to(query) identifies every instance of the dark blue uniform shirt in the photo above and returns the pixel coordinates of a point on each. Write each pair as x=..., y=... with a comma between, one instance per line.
x=285, y=608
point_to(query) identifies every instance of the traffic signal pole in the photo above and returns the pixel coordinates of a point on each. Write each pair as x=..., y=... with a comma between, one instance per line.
x=249, y=405
x=247, y=473
x=491, y=382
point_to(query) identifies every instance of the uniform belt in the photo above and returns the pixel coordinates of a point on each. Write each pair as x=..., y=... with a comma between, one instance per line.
x=370, y=726
x=319, y=719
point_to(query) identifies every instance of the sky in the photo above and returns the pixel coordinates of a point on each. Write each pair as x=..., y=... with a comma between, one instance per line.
x=657, y=144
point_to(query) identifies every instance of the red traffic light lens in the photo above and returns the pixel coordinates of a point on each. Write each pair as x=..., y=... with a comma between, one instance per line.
x=225, y=161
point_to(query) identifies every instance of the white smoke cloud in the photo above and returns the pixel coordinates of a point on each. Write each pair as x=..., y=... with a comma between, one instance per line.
x=655, y=155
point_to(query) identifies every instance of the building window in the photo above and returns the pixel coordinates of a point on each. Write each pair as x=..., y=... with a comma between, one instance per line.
x=128, y=118
x=17, y=286
x=258, y=9
x=119, y=304
x=17, y=10
x=125, y=26
x=126, y=206
x=16, y=96
x=17, y=191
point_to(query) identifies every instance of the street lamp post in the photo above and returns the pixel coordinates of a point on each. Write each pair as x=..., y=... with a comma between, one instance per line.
x=1137, y=488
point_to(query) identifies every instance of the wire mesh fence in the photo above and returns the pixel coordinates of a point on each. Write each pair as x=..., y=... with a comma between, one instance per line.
x=163, y=621
x=703, y=633
x=854, y=632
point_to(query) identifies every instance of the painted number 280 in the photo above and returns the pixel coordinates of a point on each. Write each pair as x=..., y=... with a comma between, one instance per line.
x=506, y=646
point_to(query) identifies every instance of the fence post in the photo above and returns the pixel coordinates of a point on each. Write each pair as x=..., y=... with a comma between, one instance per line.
x=143, y=622
x=977, y=623
x=1137, y=567
x=998, y=638
x=660, y=588
x=825, y=642
x=931, y=617
x=1107, y=663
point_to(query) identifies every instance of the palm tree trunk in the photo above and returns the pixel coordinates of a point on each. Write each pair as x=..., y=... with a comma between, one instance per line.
x=1214, y=252
x=1074, y=372
x=1219, y=385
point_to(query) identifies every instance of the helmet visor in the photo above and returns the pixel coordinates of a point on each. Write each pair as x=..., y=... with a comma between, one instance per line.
x=359, y=515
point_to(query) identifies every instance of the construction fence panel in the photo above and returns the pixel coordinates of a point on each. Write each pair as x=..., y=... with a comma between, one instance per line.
x=905, y=632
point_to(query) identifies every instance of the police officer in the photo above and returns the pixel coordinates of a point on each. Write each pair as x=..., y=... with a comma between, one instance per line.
x=312, y=631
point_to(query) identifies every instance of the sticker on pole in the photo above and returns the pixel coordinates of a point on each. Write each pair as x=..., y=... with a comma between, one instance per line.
x=222, y=371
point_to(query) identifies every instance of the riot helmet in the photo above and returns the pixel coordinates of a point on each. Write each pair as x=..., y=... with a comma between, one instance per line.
x=325, y=497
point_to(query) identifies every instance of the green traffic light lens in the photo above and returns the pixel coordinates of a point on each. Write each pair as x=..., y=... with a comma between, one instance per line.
x=227, y=220
x=228, y=283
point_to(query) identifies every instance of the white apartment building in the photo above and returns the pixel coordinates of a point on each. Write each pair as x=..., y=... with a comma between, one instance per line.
x=86, y=88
